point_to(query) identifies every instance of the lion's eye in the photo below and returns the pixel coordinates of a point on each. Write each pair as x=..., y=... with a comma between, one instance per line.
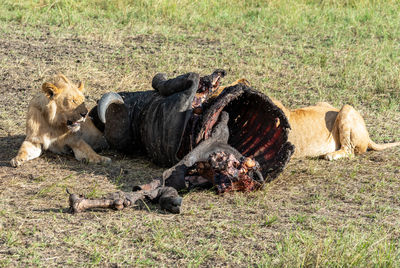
x=74, y=101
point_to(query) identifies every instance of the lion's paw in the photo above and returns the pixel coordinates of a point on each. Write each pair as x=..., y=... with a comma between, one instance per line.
x=337, y=155
x=105, y=160
x=329, y=157
x=15, y=162
x=98, y=159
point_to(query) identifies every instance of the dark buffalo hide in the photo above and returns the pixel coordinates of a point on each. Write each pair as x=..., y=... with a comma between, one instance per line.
x=162, y=124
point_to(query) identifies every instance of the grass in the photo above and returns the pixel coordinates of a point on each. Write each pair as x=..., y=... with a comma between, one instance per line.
x=317, y=213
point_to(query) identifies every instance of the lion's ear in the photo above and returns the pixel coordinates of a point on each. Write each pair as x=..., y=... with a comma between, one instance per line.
x=81, y=86
x=63, y=78
x=50, y=90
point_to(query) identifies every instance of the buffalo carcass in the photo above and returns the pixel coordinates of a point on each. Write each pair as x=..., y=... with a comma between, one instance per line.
x=187, y=121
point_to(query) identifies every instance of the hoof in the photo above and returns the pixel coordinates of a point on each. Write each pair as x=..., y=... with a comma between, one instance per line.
x=171, y=204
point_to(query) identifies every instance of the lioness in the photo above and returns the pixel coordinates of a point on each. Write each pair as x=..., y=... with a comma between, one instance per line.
x=323, y=130
x=57, y=121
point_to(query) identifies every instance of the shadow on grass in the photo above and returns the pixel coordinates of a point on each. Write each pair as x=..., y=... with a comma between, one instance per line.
x=53, y=210
x=9, y=147
x=124, y=171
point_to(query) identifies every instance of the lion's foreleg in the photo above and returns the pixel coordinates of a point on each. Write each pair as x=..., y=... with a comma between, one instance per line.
x=93, y=136
x=82, y=150
x=28, y=151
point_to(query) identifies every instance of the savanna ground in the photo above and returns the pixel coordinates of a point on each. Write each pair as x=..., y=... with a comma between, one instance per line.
x=316, y=213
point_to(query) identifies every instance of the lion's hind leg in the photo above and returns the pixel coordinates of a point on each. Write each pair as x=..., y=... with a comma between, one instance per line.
x=352, y=133
x=28, y=151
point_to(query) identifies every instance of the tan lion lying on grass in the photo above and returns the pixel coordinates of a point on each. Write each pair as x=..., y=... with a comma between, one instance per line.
x=323, y=130
x=57, y=121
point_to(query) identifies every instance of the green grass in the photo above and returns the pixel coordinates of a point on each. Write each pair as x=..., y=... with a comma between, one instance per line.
x=346, y=248
x=339, y=51
x=317, y=213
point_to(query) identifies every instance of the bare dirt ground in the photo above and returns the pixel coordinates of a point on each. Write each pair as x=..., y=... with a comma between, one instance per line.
x=307, y=207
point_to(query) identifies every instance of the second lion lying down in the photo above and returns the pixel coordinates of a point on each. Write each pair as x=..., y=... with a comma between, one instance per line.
x=322, y=130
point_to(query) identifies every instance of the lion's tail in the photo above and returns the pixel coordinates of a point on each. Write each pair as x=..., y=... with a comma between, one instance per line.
x=378, y=147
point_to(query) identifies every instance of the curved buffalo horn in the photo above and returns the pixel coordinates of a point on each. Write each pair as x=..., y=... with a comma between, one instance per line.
x=167, y=87
x=105, y=101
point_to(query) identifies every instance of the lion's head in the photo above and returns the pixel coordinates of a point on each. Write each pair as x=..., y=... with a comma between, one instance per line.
x=66, y=103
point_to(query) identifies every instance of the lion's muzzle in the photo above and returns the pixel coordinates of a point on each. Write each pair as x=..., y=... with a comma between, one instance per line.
x=78, y=117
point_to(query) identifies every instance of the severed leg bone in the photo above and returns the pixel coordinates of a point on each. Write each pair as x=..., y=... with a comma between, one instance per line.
x=167, y=198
